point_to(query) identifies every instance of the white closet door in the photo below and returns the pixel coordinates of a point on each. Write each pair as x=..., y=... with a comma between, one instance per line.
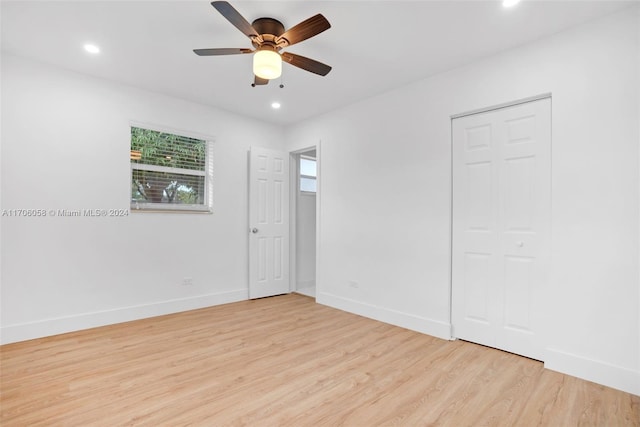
x=501, y=226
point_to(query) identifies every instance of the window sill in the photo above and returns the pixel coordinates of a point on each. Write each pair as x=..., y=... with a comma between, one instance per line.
x=168, y=208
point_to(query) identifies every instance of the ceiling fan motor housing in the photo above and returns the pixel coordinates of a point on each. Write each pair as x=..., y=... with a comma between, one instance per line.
x=268, y=29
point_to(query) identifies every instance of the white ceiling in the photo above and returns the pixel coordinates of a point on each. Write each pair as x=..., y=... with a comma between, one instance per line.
x=373, y=46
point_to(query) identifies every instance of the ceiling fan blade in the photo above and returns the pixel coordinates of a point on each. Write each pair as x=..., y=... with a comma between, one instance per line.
x=304, y=30
x=257, y=81
x=222, y=51
x=306, y=63
x=235, y=18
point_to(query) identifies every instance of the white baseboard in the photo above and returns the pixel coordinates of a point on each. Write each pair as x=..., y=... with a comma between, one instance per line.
x=61, y=325
x=592, y=370
x=409, y=321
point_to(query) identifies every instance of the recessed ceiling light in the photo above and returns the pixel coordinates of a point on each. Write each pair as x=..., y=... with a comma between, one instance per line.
x=510, y=3
x=275, y=105
x=91, y=48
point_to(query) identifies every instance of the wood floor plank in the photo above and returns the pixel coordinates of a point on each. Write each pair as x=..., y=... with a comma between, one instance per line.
x=286, y=361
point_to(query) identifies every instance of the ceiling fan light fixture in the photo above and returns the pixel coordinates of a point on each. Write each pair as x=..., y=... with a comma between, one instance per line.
x=267, y=64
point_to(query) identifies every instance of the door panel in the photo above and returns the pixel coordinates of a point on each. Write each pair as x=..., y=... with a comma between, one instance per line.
x=519, y=198
x=517, y=274
x=477, y=277
x=479, y=211
x=268, y=223
x=475, y=217
x=501, y=225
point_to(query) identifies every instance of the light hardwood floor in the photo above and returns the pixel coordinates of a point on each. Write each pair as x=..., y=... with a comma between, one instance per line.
x=287, y=361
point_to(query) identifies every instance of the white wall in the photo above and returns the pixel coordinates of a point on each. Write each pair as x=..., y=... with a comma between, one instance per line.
x=306, y=240
x=385, y=195
x=65, y=143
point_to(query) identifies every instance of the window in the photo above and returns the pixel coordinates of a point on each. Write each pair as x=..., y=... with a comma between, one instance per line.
x=308, y=174
x=169, y=171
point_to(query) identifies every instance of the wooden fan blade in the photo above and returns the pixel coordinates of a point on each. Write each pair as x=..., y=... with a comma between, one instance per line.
x=306, y=63
x=222, y=51
x=304, y=30
x=235, y=18
x=257, y=81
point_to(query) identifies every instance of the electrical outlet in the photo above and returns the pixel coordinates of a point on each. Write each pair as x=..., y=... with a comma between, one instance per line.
x=353, y=284
x=187, y=281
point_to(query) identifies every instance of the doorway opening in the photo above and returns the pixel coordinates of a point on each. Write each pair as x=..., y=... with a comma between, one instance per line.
x=304, y=214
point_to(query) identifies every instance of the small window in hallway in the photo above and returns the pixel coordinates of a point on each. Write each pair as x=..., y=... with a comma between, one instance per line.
x=307, y=174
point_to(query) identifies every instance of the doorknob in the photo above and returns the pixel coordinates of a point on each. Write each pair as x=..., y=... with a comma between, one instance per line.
x=254, y=230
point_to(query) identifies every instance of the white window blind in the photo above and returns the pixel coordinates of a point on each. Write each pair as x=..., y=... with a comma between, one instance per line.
x=169, y=171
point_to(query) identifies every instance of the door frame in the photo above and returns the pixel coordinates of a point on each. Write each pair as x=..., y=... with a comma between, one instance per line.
x=546, y=95
x=293, y=217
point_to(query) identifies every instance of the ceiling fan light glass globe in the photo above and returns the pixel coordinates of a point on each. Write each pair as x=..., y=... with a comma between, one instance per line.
x=267, y=64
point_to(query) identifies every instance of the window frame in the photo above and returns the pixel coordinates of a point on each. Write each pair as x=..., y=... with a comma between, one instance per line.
x=207, y=173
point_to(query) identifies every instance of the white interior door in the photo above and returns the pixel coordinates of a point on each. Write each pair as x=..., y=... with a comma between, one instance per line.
x=501, y=226
x=268, y=223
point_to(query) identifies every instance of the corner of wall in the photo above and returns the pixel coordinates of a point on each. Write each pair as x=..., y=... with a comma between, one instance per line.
x=420, y=324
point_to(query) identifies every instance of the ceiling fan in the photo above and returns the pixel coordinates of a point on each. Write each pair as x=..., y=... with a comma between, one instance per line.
x=269, y=37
